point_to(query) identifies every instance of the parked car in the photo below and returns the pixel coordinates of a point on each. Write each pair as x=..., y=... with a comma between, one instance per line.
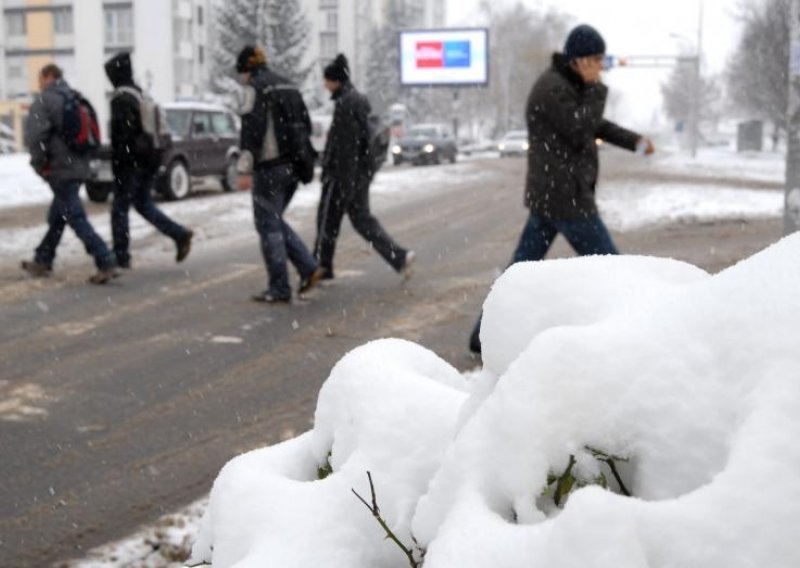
x=425, y=144
x=514, y=143
x=204, y=142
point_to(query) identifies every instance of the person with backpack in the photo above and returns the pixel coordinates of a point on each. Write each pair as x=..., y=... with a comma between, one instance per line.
x=62, y=133
x=136, y=142
x=349, y=163
x=276, y=154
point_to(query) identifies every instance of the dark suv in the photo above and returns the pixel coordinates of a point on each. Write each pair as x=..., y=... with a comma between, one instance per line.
x=425, y=144
x=205, y=142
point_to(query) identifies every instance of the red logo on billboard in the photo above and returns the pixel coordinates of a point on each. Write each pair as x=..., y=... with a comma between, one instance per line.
x=429, y=54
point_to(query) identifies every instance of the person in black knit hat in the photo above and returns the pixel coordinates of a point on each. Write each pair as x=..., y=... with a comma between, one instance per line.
x=271, y=115
x=565, y=119
x=347, y=174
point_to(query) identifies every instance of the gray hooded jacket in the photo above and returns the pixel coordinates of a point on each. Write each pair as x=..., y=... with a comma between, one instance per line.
x=51, y=158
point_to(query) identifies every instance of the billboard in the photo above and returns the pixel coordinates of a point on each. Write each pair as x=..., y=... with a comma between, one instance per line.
x=444, y=57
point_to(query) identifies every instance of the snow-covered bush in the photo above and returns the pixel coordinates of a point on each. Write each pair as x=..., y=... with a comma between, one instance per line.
x=695, y=378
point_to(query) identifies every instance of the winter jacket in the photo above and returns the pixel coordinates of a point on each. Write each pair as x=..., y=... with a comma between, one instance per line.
x=274, y=120
x=346, y=158
x=51, y=158
x=131, y=147
x=565, y=118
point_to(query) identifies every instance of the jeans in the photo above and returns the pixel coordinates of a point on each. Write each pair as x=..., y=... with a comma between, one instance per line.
x=273, y=188
x=587, y=236
x=332, y=207
x=67, y=209
x=133, y=188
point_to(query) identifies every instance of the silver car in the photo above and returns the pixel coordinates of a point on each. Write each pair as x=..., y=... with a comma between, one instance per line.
x=514, y=143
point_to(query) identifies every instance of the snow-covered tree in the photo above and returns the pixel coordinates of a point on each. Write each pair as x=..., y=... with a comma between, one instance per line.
x=280, y=27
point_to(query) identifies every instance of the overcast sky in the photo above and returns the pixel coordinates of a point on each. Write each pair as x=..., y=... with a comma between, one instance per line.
x=640, y=27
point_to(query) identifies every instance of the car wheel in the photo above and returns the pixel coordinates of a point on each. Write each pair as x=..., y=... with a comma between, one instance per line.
x=177, y=183
x=453, y=157
x=98, y=192
x=397, y=160
x=231, y=174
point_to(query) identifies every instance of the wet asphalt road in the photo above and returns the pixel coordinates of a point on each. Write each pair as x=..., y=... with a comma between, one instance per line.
x=121, y=403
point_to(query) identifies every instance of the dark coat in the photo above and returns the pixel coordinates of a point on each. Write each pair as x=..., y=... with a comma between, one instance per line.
x=346, y=157
x=292, y=121
x=51, y=158
x=131, y=147
x=565, y=117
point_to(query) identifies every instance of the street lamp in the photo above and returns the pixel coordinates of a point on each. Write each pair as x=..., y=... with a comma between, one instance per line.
x=694, y=107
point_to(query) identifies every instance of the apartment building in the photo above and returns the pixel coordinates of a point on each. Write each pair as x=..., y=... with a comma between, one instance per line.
x=168, y=40
x=346, y=26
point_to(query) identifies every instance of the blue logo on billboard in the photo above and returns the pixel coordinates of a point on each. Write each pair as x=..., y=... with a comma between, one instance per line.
x=457, y=54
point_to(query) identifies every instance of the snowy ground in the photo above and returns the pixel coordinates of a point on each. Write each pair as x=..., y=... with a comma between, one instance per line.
x=220, y=218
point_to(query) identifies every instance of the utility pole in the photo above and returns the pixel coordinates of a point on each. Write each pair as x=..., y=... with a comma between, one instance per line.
x=791, y=210
x=695, y=107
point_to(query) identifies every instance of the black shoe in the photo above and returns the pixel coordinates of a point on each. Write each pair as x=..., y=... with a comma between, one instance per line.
x=184, y=246
x=475, y=340
x=104, y=276
x=266, y=297
x=36, y=269
x=308, y=282
x=126, y=264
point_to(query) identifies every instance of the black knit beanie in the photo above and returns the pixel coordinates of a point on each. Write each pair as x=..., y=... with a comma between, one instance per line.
x=584, y=41
x=338, y=69
x=249, y=59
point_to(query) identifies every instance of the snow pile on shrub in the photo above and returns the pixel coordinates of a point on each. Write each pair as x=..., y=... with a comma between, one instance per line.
x=693, y=379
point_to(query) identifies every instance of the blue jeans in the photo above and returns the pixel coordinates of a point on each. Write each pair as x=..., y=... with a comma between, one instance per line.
x=133, y=188
x=273, y=188
x=586, y=235
x=67, y=209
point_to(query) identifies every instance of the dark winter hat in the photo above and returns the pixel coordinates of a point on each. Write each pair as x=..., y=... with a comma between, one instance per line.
x=119, y=70
x=249, y=59
x=338, y=69
x=584, y=41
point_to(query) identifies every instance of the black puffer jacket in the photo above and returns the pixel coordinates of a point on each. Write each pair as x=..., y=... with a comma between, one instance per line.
x=131, y=147
x=565, y=117
x=345, y=159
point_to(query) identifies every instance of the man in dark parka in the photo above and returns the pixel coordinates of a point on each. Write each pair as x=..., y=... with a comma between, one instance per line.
x=565, y=119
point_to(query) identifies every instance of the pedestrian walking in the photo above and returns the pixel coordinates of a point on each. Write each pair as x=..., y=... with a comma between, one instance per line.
x=347, y=171
x=275, y=128
x=565, y=119
x=61, y=132
x=136, y=139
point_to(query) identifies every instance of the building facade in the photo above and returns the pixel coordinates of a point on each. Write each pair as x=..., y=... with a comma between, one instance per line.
x=345, y=26
x=168, y=41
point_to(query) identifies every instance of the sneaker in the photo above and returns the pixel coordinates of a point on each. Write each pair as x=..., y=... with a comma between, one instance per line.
x=308, y=282
x=36, y=269
x=266, y=297
x=408, y=267
x=103, y=276
x=184, y=246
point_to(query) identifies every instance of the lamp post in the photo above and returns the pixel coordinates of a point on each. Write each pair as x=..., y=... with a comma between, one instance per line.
x=694, y=106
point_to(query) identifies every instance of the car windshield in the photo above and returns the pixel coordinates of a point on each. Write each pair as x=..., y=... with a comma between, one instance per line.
x=422, y=132
x=178, y=122
x=516, y=135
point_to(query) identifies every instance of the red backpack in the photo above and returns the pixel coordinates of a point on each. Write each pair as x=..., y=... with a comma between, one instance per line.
x=80, y=129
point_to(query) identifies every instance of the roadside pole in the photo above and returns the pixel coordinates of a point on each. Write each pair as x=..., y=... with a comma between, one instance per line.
x=791, y=210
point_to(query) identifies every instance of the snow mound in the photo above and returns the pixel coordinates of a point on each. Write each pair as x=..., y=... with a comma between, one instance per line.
x=694, y=378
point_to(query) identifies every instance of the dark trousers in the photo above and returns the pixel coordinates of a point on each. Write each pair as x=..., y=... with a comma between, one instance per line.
x=272, y=191
x=67, y=209
x=332, y=207
x=587, y=236
x=132, y=187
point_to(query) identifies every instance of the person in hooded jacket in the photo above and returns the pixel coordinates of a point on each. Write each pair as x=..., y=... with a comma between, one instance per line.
x=346, y=176
x=266, y=167
x=64, y=170
x=135, y=161
x=565, y=119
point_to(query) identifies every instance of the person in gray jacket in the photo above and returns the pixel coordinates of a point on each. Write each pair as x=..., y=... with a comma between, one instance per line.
x=64, y=170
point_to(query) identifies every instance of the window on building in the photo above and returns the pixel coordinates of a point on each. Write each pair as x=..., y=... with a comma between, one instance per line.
x=119, y=25
x=328, y=45
x=62, y=21
x=199, y=15
x=201, y=54
x=16, y=24
x=332, y=21
x=328, y=3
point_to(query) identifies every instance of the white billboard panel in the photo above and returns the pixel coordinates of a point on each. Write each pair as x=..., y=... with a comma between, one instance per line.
x=444, y=57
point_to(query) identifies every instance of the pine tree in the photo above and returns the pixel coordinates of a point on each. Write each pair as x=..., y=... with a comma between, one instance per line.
x=280, y=27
